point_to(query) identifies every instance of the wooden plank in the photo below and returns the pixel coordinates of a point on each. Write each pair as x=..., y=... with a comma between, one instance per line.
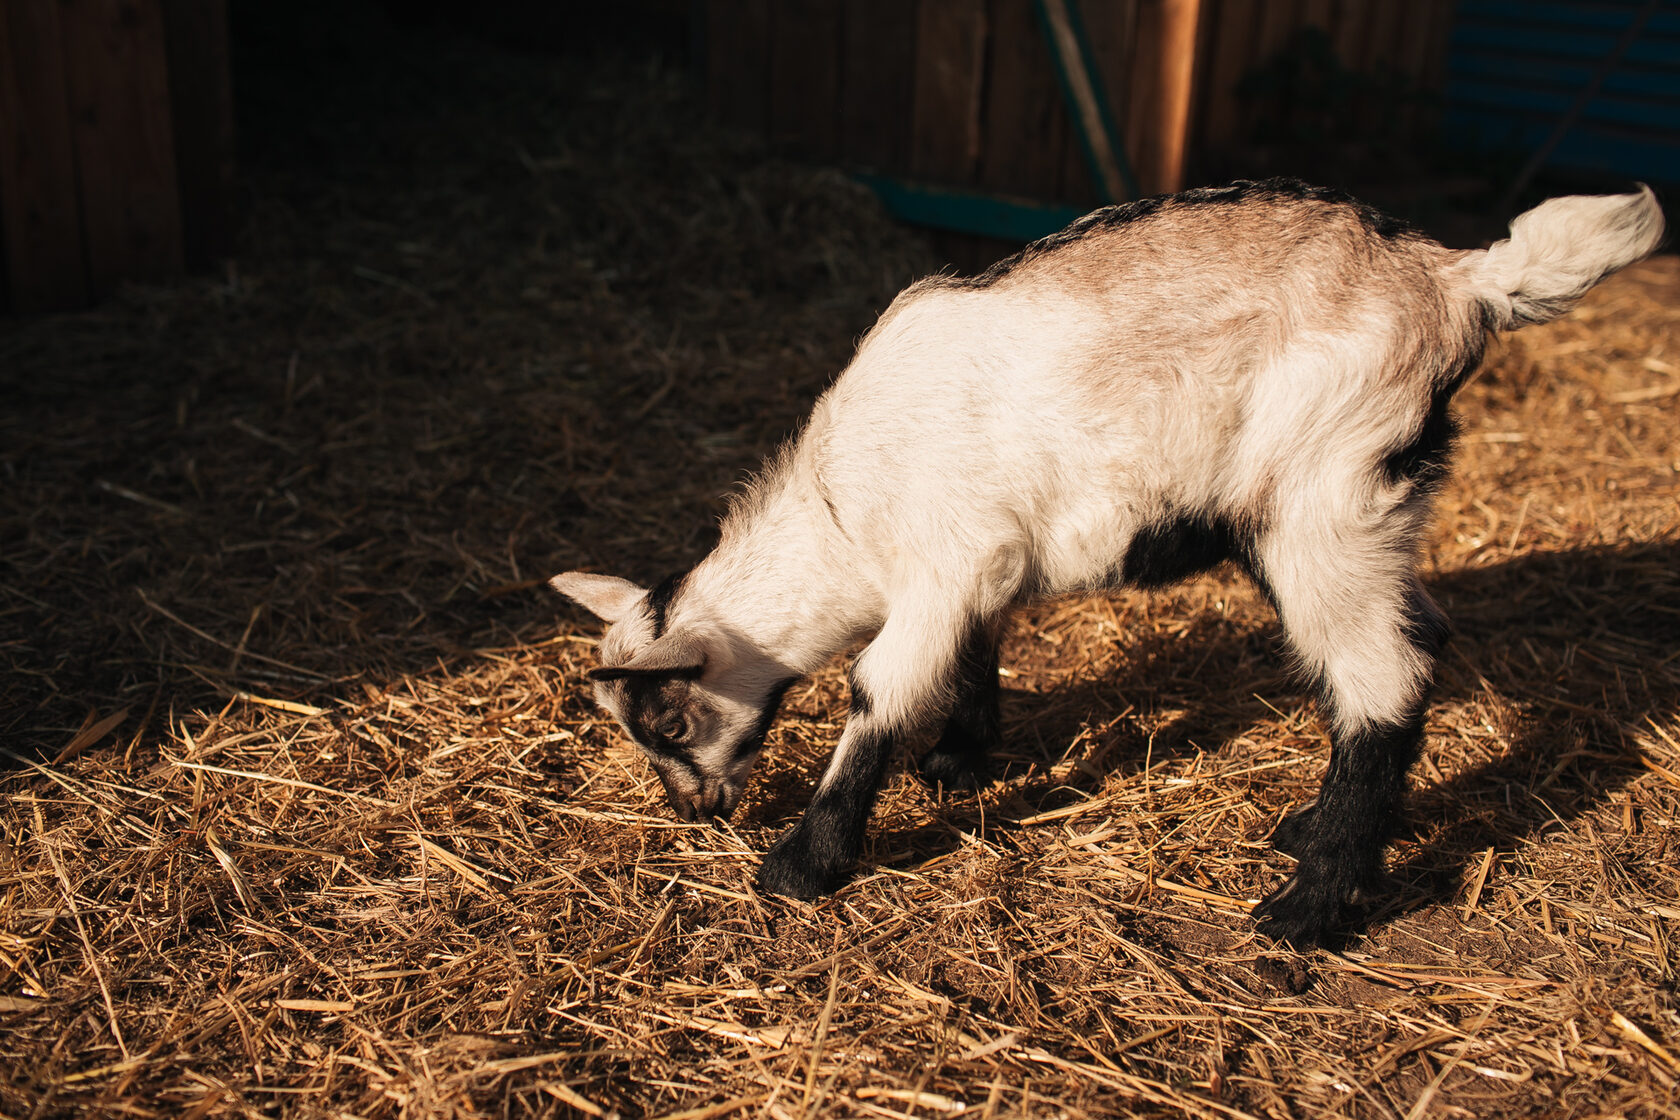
x=1024, y=124
x=738, y=63
x=39, y=224
x=1351, y=32
x=1180, y=43
x=1144, y=121
x=805, y=78
x=877, y=80
x=945, y=111
x=1223, y=118
x=1417, y=41
x=201, y=98
x=124, y=141
x=1111, y=32
x=1279, y=21
x=1318, y=13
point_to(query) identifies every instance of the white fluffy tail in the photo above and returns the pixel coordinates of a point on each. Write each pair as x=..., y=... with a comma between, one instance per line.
x=1559, y=250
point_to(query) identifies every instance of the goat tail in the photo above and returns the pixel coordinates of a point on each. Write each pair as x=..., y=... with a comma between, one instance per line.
x=1558, y=251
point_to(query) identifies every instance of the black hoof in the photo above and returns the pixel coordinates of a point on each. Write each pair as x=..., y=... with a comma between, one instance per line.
x=954, y=771
x=1301, y=913
x=1295, y=831
x=790, y=870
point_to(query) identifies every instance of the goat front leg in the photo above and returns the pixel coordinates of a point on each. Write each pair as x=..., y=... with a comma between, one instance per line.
x=892, y=681
x=815, y=856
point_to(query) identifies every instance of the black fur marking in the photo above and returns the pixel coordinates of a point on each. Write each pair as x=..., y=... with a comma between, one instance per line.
x=1183, y=546
x=1423, y=460
x=974, y=727
x=659, y=600
x=860, y=702
x=814, y=856
x=1426, y=627
x=648, y=703
x=1385, y=226
x=754, y=739
x=1339, y=838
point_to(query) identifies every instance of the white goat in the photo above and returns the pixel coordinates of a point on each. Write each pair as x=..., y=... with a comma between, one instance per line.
x=1259, y=372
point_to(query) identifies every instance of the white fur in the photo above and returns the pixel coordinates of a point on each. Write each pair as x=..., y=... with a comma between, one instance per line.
x=1254, y=360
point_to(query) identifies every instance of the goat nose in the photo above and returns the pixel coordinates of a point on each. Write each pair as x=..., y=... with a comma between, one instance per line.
x=687, y=808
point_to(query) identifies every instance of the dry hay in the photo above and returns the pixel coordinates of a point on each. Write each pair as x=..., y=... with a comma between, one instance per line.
x=325, y=822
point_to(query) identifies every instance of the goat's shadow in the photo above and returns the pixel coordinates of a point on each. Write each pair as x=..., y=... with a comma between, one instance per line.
x=1563, y=650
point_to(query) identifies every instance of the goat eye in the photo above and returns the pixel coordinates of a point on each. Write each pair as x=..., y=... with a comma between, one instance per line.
x=675, y=727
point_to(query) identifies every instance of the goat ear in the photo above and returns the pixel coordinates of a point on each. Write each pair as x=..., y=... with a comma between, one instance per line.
x=607, y=597
x=675, y=654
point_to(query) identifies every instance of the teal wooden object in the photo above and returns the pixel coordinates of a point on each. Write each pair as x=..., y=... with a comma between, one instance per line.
x=969, y=211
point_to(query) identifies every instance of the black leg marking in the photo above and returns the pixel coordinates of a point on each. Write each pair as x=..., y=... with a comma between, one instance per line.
x=815, y=856
x=1180, y=547
x=1427, y=627
x=974, y=728
x=1339, y=839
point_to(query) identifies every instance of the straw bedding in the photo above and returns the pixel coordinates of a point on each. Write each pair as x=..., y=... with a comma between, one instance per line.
x=309, y=811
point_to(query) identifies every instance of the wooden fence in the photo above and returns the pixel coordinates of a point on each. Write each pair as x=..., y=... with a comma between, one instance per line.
x=116, y=144
x=965, y=92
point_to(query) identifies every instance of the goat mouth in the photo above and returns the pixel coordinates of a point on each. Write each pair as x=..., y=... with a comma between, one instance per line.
x=709, y=804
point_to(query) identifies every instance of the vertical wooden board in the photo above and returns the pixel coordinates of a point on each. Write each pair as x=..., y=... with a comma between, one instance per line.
x=1024, y=119
x=1350, y=33
x=805, y=77
x=1198, y=167
x=945, y=130
x=1384, y=42
x=1416, y=42
x=1233, y=35
x=1318, y=13
x=877, y=80
x=124, y=142
x=1279, y=20
x=201, y=96
x=1381, y=59
x=1433, y=75
x=1181, y=54
x=1146, y=116
x=39, y=224
x=1111, y=33
x=738, y=63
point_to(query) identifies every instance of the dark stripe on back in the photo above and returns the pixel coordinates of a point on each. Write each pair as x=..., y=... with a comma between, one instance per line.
x=659, y=601
x=1385, y=226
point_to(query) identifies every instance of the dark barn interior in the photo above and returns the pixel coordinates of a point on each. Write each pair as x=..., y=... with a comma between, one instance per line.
x=330, y=331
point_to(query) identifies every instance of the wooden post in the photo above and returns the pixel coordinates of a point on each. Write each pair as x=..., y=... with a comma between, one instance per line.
x=1180, y=32
x=124, y=140
x=41, y=233
x=201, y=96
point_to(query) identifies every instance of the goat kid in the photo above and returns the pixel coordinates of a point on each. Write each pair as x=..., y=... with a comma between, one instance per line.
x=1258, y=373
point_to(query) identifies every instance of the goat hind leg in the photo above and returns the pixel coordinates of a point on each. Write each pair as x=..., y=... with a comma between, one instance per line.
x=974, y=728
x=1371, y=635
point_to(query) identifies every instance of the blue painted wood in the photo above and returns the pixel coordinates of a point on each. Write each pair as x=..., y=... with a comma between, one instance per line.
x=1634, y=81
x=1630, y=157
x=1614, y=17
x=1551, y=104
x=1564, y=43
x=969, y=211
x=1516, y=67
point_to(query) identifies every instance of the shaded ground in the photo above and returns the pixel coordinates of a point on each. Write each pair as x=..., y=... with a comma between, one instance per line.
x=325, y=823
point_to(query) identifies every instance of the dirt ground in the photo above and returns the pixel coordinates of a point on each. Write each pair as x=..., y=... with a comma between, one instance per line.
x=309, y=812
